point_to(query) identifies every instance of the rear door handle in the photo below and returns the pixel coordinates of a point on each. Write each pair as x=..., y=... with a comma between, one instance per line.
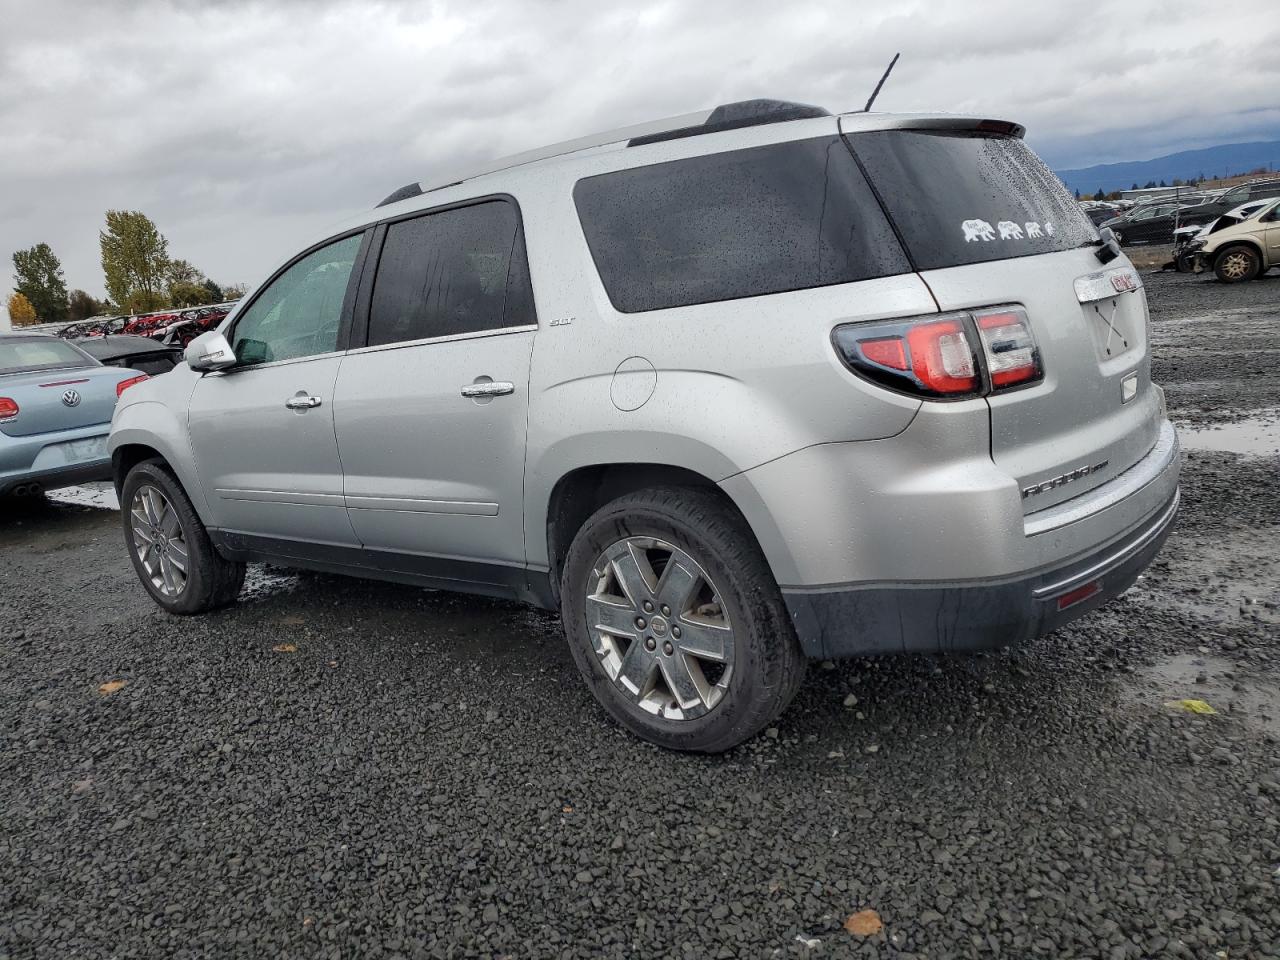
x=489, y=388
x=302, y=402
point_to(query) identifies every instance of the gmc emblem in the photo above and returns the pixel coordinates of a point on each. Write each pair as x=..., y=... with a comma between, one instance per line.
x=1123, y=282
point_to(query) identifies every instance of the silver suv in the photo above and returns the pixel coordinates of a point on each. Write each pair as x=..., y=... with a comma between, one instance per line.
x=728, y=391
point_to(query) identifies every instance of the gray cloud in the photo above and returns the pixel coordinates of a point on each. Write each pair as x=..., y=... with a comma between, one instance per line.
x=242, y=128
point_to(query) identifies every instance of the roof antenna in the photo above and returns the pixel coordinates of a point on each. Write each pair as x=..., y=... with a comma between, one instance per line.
x=876, y=92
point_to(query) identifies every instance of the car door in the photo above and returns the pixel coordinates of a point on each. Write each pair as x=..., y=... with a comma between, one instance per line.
x=431, y=411
x=1271, y=237
x=262, y=431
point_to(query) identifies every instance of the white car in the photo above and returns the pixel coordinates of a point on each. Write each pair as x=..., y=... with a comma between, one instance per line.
x=1184, y=253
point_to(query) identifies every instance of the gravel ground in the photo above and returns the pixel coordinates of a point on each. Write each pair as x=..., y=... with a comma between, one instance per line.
x=339, y=768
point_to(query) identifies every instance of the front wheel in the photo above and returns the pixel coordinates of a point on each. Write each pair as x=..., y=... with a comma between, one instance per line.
x=675, y=621
x=1237, y=263
x=169, y=546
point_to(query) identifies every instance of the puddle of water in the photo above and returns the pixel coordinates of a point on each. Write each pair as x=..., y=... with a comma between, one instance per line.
x=101, y=495
x=1212, y=679
x=262, y=581
x=1257, y=435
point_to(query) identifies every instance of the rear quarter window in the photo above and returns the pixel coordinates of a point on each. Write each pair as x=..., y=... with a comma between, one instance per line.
x=959, y=197
x=742, y=223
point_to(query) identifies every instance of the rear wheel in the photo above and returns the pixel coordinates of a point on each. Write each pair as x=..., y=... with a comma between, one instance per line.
x=1237, y=263
x=169, y=546
x=676, y=623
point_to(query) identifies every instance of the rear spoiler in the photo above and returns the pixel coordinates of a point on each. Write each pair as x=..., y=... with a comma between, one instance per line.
x=867, y=122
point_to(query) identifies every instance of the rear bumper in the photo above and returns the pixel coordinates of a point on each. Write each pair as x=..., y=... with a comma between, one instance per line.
x=42, y=459
x=973, y=615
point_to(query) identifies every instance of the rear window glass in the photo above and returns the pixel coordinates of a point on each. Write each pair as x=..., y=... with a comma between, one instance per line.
x=739, y=224
x=42, y=354
x=452, y=272
x=959, y=197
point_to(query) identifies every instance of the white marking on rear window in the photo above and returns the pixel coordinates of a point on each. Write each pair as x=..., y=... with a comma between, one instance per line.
x=977, y=230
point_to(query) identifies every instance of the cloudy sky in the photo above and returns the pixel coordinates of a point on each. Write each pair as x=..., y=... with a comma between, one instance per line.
x=244, y=128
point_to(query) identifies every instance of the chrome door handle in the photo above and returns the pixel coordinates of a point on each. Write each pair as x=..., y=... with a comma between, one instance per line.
x=302, y=402
x=489, y=388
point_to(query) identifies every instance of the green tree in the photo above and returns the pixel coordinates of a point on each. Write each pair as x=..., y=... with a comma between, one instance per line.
x=180, y=271
x=144, y=301
x=135, y=259
x=81, y=306
x=1100, y=195
x=185, y=294
x=21, y=312
x=1135, y=185
x=213, y=292
x=39, y=275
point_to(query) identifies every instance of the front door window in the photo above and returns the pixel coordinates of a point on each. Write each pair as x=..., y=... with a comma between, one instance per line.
x=300, y=313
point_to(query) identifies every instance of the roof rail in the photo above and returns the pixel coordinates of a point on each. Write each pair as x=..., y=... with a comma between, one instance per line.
x=728, y=116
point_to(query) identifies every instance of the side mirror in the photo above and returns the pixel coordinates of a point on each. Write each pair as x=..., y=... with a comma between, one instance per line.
x=209, y=351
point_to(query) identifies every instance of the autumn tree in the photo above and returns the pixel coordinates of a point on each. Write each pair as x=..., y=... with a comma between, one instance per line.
x=82, y=306
x=135, y=260
x=39, y=276
x=21, y=312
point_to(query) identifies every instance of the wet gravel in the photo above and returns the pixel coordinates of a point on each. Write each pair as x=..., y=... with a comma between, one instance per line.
x=338, y=768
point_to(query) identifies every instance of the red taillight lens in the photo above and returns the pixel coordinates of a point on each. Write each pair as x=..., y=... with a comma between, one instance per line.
x=1010, y=349
x=8, y=409
x=942, y=358
x=124, y=385
x=945, y=357
x=890, y=352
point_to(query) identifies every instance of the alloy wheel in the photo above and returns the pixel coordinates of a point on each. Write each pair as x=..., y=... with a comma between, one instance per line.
x=1235, y=265
x=158, y=540
x=659, y=628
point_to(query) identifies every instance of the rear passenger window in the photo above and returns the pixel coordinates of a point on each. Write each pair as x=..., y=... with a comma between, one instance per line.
x=738, y=224
x=457, y=271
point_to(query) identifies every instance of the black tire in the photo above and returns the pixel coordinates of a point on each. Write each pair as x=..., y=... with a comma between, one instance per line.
x=767, y=663
x=212, y=581
x=1237, y=263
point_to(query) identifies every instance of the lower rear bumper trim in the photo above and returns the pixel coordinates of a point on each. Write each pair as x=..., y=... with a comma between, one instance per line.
x=970, y=615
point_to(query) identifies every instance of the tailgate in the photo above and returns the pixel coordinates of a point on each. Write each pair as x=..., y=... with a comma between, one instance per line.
x=986, y=224
x=1094, y=414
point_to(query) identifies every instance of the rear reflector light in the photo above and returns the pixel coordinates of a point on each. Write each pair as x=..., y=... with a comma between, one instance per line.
x=8, y=409
x=1079, y=594
x=944, y=357
x=124, y=385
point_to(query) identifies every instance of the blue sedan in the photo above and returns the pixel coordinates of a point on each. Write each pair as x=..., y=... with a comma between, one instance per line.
x=56, y=403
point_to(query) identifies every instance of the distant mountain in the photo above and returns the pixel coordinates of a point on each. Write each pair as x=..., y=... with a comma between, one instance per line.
x=1224, y=159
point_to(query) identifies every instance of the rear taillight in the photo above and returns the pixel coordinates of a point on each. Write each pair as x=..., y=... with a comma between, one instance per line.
x=947, y=357
x=8, y=409
x=1010, y=350
x=124, y=385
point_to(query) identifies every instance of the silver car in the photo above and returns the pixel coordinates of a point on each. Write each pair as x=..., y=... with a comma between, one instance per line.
x=729, y=391
x=56, y=403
